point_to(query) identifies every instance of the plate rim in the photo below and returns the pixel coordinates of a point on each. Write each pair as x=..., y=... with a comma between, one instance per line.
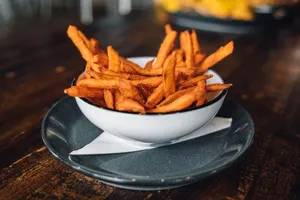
x=147, y=182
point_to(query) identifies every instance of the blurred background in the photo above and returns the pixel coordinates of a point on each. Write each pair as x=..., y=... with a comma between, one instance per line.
x=200, y=14
x=36, y=23
x=21, y=19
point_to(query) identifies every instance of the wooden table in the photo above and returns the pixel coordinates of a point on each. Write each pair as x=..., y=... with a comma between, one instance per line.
x=38, y=61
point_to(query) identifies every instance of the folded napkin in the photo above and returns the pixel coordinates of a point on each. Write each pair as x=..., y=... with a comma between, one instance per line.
x=107, y=143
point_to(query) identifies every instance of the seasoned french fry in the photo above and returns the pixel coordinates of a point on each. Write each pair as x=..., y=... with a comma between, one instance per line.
x=99, y=83
x=79, y=43
x=126, y=67
x=94, y=46
x=97, y=75
x=199, y=58
x=180, y=65
x=130, y=91
x=186, y=71
x=201, y=96
x=165, y=48
x=216, y=57
x=137, y=77
x=168, y=29
x=84, y=92
x=155, y=72
x=189, y=52
x=181, y=103
x=193, y=81
x=217, y=87
x=145, y=91
x=113, y=73
x=126, y=104
x=142, y=71
x=180, y=78
x=96, y=66
x=128, y=62
x=169, y=75
x=118, y=97
x=195, y=42
x=151, y=72
x=101, y=59
x=129, y=66
x=149, y=64
x=109, y=77
x=179, y=58
x=113, y=59
x=179, y=52
x=156, y=96
x=175, y=96
x=130, y=105
x=159, y=71
x=99, y=102
x=93, y=74
x=82, y=76
x=84, y=38
x=87, y=71
x=149, y=82
x=109, y=98
x=182, y=41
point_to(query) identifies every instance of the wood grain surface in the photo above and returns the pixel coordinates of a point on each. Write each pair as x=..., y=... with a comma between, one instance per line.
x=36, y=65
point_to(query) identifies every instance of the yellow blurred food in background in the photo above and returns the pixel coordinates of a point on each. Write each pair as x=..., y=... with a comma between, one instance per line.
x=225, y=9
x=171, y=5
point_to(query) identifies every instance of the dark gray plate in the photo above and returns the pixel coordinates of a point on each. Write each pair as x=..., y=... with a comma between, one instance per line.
x=265, y=17
x=65, y=129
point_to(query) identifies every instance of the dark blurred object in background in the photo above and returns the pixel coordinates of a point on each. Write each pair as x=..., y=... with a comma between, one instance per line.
x=238, y=10
x=239, y=16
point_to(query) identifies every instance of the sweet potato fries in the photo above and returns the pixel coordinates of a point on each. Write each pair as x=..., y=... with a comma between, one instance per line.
x=174, y=81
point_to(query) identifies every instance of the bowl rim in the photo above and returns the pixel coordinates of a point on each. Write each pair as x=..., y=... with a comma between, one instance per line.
x=219, y=97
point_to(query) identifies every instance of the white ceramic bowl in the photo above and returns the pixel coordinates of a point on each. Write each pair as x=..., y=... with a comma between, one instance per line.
x=153, y=128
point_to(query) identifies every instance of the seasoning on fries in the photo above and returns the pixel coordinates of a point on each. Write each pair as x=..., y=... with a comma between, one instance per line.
x=174, y=81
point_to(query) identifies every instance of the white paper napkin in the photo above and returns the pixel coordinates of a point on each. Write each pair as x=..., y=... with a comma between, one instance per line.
x=107, y=143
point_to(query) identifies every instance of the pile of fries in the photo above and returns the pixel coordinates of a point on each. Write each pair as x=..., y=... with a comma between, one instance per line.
x=174, y=81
